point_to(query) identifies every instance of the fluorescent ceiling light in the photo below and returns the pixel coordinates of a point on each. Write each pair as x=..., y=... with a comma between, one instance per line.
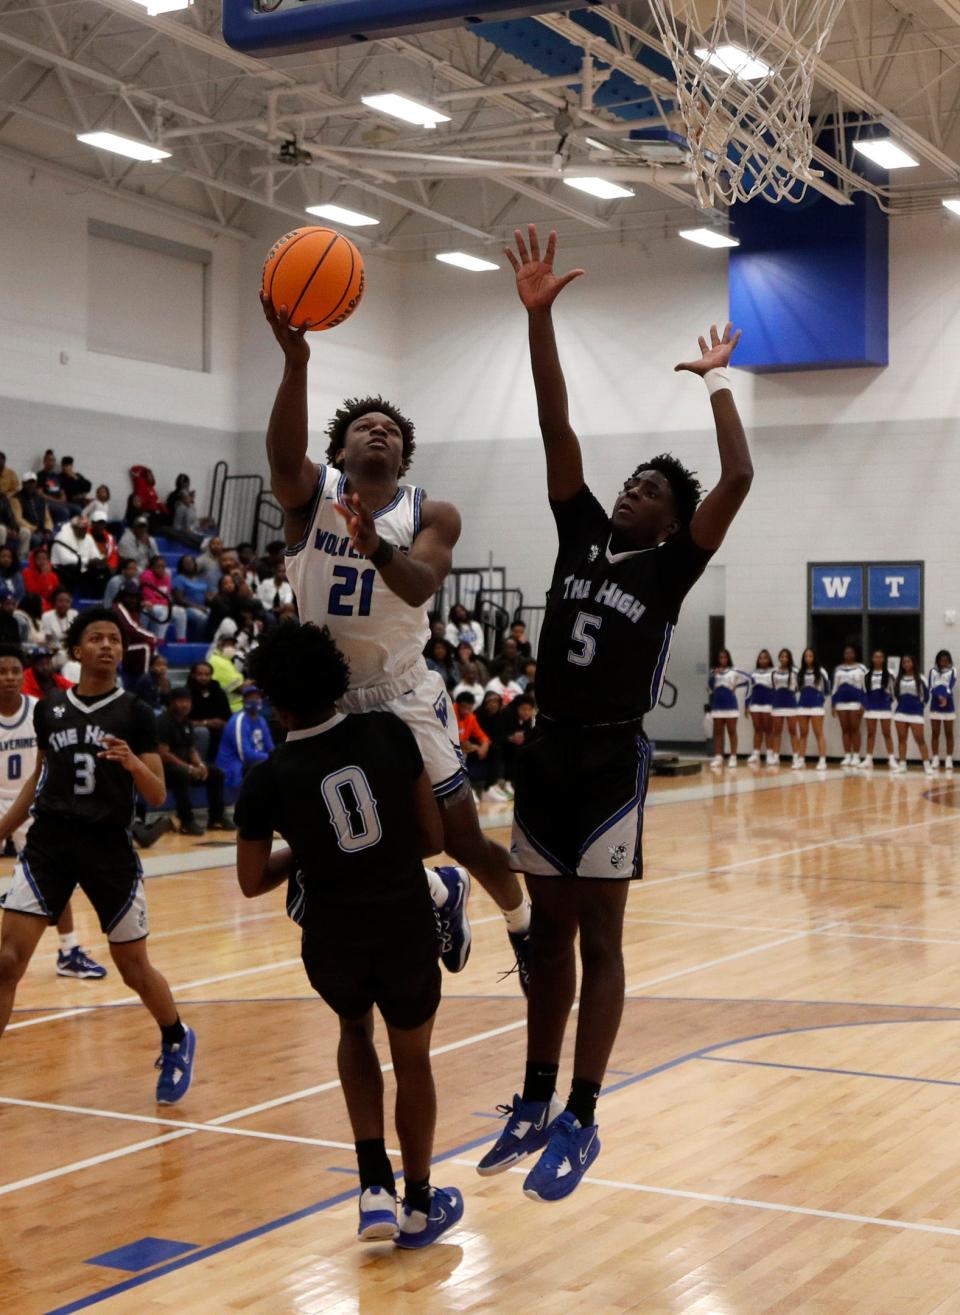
x=154, y=7
x=953, y=203
x=601, y=187
x=112, y=141
x=463, y=261
x=886, y=153
x=708, y=237
x=733, y=59
x=401, y=107
x=597, y=146
x=341, y=216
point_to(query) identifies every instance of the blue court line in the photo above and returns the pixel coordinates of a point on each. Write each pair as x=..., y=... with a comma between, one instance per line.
x=844, y=1072
x=339, y=1168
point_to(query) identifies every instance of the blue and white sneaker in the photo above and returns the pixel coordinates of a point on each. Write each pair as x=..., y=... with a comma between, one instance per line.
x=528, y=1130
x=176, y=1069
x=378, y=1215
x=415, y=1229
x=570, y=1152
x=453, y=924
x=78, y=964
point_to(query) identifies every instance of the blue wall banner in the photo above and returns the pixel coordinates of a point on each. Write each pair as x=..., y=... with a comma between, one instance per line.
x=894, y=588
x=836, y=588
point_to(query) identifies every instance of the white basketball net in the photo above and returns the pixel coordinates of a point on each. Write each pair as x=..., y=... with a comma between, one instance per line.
x=744, y=79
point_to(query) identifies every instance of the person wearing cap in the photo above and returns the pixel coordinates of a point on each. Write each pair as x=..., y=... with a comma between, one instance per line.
x=106, y=544
x=40, y=678
x=31, y=511
x=138, y=543
x=74, y=551
x=246, y=739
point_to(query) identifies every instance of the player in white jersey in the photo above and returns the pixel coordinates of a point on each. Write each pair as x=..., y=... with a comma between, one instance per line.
x=365, y=555
x=18, y=759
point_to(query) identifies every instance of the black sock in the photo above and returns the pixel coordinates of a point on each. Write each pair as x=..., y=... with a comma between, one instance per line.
x=539, y=1080
x=583, y=1100
x=174, y=1034
x=374, y=1165
x=416, y=1195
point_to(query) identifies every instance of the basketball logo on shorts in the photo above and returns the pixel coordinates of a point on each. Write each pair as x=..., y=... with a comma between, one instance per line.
x=618, y=856
x=440, y=708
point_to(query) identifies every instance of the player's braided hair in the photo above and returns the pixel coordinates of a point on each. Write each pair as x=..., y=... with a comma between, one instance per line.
x=299, y=668
x=88, y=617
x=355, y=407
x=686, y=488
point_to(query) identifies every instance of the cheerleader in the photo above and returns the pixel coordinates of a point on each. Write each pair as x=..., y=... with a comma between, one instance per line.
x=814, y=686
x=760, y=703
x=784, y=709
x=941, y=682
x=723, y=684
x=849, y=685
x=910, y=691
x=878, y=700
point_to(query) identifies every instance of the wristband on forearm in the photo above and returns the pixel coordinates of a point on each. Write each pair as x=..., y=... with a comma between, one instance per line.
x=383, y=555
x=717, y=379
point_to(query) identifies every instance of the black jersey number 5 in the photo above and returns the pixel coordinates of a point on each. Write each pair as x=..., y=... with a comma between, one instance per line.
x=584, y=623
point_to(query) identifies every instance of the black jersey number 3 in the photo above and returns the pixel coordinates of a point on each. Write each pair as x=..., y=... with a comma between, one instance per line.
x=584, y=623
x=85, y=780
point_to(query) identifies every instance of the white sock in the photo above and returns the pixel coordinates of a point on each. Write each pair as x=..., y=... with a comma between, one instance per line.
x=68, y=942
x=438, y=891
x=518, y=919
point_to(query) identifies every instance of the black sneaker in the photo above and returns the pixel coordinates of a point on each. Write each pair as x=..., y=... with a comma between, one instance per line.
x=192, y=829
x=520, y=940
x=221, y=824
x=145, y=835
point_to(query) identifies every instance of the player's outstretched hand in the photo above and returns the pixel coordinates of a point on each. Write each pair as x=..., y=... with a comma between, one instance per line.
x=537, y=285
x=715, y=354
x=361, y=526
x=293, y=341
x=118, y=751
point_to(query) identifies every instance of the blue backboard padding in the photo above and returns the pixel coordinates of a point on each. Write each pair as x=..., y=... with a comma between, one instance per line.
x=318, y=23
x=808, y=286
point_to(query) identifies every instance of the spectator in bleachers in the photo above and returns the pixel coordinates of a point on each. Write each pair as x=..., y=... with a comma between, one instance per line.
x=100, y=502
x=39, y=577
x=466, y=656
x=223, y=605
x=247, y=560
x=490, y=719
x=507, y=659
x=157, y=597
x=273, y=554
x=75, y=486
x=184, y=525
x=138, y=543
x=463, y=628
x=528, y=674
x=126, y=573
x=505, y=684
x=17, y=536
x=76, y=558
x=208, y=563
x=209, y=709
x=518, y=722
x=56, y=623
x=41, y=678
x=246, y=739
x=181, y=485
x=474, y=741
x=226, y=672
x=472, y=681
x=32, y=511
x=9, y=629
x=104, y=540
x=145, y=490
x=28, y=616
x=190, y=591
x=518, y=633
x=50, y=488
x=154, y=686
x=139, y=642
x=275, y=591
x=183, y=767
x=439, y=657
x=10, y=573
x=9, y=484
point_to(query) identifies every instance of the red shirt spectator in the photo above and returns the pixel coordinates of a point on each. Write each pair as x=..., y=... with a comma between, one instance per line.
x=40, y=578
x=471, y=732
x=40, y=678
x=106, y=543
x=145, y=488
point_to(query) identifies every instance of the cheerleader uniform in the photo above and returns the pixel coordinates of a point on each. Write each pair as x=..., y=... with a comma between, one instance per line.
x=723, y=686
x=813, y=692
x=849, y=687
x=911, y=700
x=878, y=696
x=784, y=692
x=760, y=698
x=941, y=684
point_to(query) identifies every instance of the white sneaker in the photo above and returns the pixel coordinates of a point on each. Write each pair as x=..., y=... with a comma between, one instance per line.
x=773, y=760
x=867, y=764
x=854, y=760
x=732, y=760
x=716, y=762
x=753, y=759
x=928, y=768
x=497, y=796
x=935, y=764
x=893, y=764
x=948, y=765
x=821, y=764
x=797, y=763
x=846, y=760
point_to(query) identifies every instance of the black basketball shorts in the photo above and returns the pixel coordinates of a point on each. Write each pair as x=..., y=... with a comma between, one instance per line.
x=578, y=808
x=59, y=856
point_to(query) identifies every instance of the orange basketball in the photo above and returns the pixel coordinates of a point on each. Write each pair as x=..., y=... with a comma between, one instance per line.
x=317, y=274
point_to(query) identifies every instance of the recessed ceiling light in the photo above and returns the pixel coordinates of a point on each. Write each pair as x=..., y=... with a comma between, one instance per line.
x=113, y=141
x=154, y=7
x=735, y=60
x=601, y=187
x=952, y=203
x=886, y=153
x=402, y=107
x=708, y=237
x=464, y=261
x=339, y=215
x=597, y=146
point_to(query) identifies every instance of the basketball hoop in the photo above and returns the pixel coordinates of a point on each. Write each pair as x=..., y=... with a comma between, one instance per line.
x=744, y=80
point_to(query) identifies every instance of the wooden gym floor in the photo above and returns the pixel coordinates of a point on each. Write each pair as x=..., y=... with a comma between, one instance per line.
x=778, y=1125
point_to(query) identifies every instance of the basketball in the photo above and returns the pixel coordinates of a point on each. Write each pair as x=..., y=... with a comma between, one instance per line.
x=318, y=274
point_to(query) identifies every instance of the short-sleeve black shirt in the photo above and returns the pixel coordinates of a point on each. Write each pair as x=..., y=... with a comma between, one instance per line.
x=610, y=617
